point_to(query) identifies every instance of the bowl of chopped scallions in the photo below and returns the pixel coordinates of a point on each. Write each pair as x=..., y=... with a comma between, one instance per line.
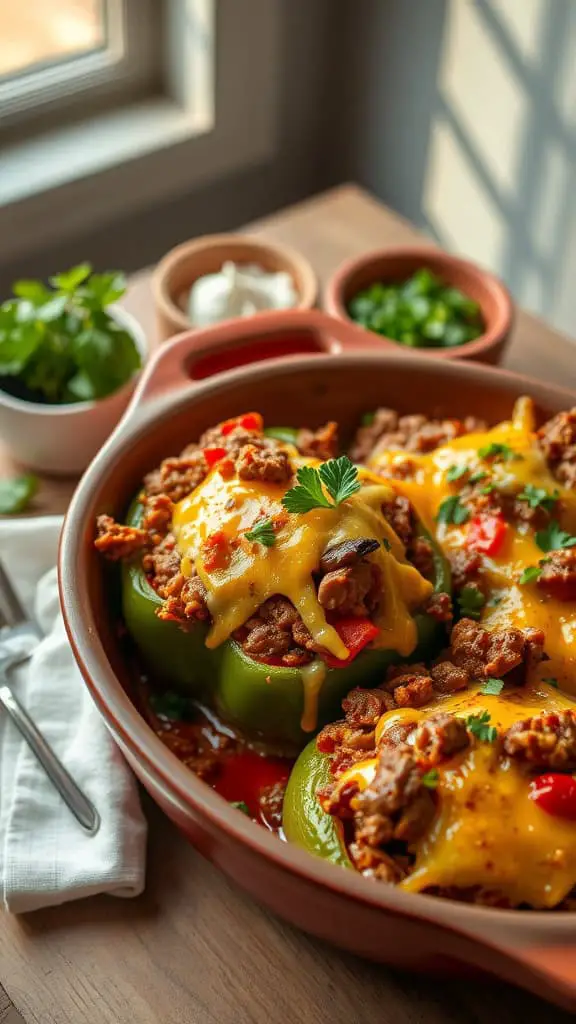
x=424, y=300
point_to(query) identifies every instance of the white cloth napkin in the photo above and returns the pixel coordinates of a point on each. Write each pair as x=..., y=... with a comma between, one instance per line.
x=46, y=858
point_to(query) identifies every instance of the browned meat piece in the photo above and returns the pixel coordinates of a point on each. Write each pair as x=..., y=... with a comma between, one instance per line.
x=279, y=610
x=413, y=691
x=235, y=440
x=464, y=566
x=269, y=465
x=177, y=477
x=348, y=552
x=448, y=678
x=116, y=541
x=400, y=469
x=385, y=422
x=157, y=518
x=351, y=591
x=482, y=653
x=439, y=737
x=421, y=554
x=557, y=439
x=319, y=444
x=397, y=795
x=399, y=514
x=558, y=577
x=439, y=606
x=267, y=641
x=544, y=741
x=363, y=708
x=162, y=563
x=184, y=600
x=270, y=803
x=302, y=636
x=374, y=863
x=395, y=672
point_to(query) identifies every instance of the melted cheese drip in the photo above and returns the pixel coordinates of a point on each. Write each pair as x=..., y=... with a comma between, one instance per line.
x=254, y=572
x=313, y=675
x=487, y=831
x=517, y=605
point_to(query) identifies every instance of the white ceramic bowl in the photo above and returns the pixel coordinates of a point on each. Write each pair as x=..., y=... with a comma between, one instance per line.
x=63, y=439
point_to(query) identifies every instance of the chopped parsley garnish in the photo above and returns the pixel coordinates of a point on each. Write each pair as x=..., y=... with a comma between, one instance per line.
x=431, y=778
x=471, y=601
x=492, y=687
x=262, y=533
x=339, y=477
x=553, y=538
x=538, y=497
x=452, y=510
x=497, y=451
x=479, y=726
x=551, y=682
x=455, y=472
x=476, y=477
x=386, y=543
x=488, y=488
x=530, y=573
x=239, y=805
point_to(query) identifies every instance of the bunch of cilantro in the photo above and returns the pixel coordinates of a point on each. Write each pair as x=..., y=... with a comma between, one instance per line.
x=59, y=344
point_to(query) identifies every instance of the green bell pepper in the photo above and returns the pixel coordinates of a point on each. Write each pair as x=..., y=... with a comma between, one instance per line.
x=303, y=820
x=266, y=702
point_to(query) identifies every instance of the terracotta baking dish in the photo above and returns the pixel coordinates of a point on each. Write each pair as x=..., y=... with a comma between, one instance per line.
x=308, y=386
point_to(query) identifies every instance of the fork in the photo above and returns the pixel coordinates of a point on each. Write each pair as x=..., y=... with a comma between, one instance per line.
x=16, y=624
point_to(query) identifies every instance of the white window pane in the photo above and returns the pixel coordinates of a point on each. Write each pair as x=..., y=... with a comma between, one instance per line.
x=38, y=32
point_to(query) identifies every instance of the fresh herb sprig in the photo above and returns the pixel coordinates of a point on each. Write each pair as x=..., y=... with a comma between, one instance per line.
x=240, y=805
x=431, y=778
x=451, y=510
x=492, y=687
x=339, y=477
x=530, y=574
x=479, y=726
x=553, y=538
x=471, y=601
x=60, y=344
x=456, y=472
x=498, y=452
x=538, y=497
x=262, y=533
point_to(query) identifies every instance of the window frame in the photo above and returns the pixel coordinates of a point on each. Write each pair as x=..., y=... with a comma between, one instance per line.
x=216, y=116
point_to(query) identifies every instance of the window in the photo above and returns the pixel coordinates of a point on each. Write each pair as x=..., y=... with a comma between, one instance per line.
x=149, y=100
x=62, y=58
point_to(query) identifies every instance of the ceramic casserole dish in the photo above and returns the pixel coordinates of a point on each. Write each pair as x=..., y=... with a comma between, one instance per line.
x=280, y=363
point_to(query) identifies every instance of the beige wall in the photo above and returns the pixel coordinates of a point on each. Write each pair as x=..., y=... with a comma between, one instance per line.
x=470, y=130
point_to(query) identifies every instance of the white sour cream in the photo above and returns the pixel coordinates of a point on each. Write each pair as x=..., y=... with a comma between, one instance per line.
x=238, y=290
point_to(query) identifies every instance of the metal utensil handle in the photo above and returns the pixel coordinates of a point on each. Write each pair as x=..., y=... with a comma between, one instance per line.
x=11, y=610
x=81, y=807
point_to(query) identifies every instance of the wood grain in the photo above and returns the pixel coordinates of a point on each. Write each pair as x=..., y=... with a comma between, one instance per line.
x=193, y=949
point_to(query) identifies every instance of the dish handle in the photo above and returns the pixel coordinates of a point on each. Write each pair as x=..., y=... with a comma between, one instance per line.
x=195, y=355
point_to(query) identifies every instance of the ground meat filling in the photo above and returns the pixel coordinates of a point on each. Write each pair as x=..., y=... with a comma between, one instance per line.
x=439, y=738
x=399, y=514
x=544, y=741
x=389, y=431
x=177, y=477
x=354, y=590
x=116, y=541
x=269, y=465
x=482, y=653
x=558, y=576
x=557, y=439
x=319, y=444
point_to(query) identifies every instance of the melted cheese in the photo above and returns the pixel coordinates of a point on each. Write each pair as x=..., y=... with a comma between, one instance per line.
x=517, y=605
x=254, y=572
x=487, y=831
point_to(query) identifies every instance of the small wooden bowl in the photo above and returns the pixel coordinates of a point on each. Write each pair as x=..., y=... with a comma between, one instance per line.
x=390, y=265
x=180, y=267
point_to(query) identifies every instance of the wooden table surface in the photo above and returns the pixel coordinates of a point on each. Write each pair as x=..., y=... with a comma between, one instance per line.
x=194, y=949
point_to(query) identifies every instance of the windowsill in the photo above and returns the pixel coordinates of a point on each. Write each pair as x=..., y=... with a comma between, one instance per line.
x=69, y=154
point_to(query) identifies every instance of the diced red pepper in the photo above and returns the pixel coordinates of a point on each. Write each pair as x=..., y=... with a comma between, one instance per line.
x=213, y=455
x=555, y=794
x=486, y=533
x=354, y=634
x=248, y=421
x=216, y=551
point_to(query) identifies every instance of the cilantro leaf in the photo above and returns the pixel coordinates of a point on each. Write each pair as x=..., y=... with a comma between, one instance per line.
x=476, y=477
x=239, y=805
x=479, y=726
x=456, y=472
x=339, y=476
x=538, y=497
x=263, y=533
x=471, y=601
x=497, y=451
x=492, y=686
x=430, y=779
x=16, y=493
x=452, y=510
x=553, y=537
x=530, y=574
